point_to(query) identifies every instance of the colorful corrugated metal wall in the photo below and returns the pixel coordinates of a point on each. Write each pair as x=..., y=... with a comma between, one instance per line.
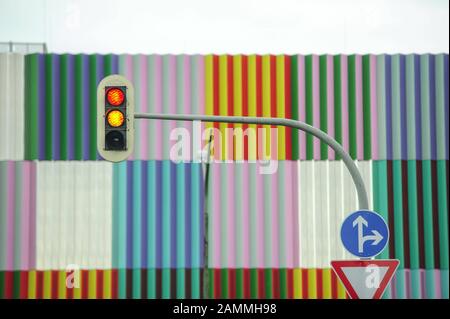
x=134, y=228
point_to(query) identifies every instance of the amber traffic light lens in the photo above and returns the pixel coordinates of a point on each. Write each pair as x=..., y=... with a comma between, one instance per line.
x=115, y=118
x=115, y=96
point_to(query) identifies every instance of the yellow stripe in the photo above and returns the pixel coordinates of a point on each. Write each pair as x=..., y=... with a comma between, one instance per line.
x=107, y=284
x=32, y=284
x=223, y=103
x=252, y=151
x=266, y=96
x=281, y=107
x=47, y=284
x=237, y=107
x=79, y=281
x=312, y=284
x=326, y=279
x=298, y=294
x=62, y=284
x=209, y=96
x=341, y=290
x=92, y=291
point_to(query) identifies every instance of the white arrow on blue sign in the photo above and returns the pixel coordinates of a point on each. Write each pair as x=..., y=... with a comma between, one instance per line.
x=364, y=233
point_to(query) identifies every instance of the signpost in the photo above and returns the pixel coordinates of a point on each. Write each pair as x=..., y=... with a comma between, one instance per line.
x=365, y=234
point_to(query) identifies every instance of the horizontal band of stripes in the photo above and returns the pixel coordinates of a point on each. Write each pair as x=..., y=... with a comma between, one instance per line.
x=224, y=283
x=377, y=106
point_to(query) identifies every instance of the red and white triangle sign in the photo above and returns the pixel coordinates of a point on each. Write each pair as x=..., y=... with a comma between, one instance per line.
x=365, y=279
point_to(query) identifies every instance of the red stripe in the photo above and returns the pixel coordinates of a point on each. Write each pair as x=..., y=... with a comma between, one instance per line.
x=334, y=285
x=261, y=284
x=9, y=285
x=99, y=284
x=288, y=106
x=245, y=100
x=276, y=283
x=39, y=284
x=114, y=283
x=217, y=284
x=144, y=276
x=259, y=104
x=54, y=284
x=290, y=283
x=305, y=283
x=319, y=283
x=246, y=280
x=84, y=284
x=232, y=283
x=24, y=284
x=230, y=80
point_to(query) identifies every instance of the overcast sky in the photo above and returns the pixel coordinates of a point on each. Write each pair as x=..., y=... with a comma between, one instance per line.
x=231, y=26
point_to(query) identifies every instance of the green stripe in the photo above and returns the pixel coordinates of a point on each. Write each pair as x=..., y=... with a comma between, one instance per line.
x=93, y=106
x=294, y=104
x=323, y=104
x=428, y=214
x=410, y=107
x=48, y=106
x=31, y=106
x=239, y=283
x=224, y=282
x=337, y=101
x=195, y=283
x=381, y=107
x=443, y=213
x=122, y=286
x=440, y=107
x=16, y=284
x=63, y=106
x=151, y=283
x=413, y=215
x=398, y=212
x=253, y=283
x=425, y=110
x=283, y=283
x=136, y=293
x=366, y=107
x=352, y=106
x=107, y=64
x=2, y=284
x=380, y=195
x=308, y=105
x=78, y=107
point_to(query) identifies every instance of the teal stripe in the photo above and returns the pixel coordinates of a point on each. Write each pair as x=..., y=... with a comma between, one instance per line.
x=400, y=284
x=122, y=286
x=167, y=96
x=440, y=108
x=136, y=283
x=398, y=212
x=196, y=209
x=425, y=101
x=430, y=284
x=413, y=215
x=151, y=283
x=381, y=107
x=181, y=222
x=442, y=213
x=410, y=107
x=416, y=286
x=428, y=214
x=151, y=230
x=166, y=207
x=137, y=208
x=195, y=283
x=444, y=283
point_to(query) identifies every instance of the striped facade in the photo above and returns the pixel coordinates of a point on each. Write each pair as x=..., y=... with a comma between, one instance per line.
x=135, y=228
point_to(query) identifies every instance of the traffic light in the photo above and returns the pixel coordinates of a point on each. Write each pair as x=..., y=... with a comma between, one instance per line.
x=115, y=118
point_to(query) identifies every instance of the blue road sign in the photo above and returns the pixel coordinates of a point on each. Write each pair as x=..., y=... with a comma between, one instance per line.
x=364, y=233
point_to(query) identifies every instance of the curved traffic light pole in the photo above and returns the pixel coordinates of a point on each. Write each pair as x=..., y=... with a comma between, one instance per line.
x=324, y=137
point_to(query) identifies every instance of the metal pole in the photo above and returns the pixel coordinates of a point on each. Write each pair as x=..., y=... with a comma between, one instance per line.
x=324, y=137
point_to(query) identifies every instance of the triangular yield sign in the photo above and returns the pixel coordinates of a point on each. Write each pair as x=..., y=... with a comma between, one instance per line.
x=365, y=279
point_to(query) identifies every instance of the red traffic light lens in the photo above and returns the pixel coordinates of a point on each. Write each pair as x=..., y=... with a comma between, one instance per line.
x=115, y=96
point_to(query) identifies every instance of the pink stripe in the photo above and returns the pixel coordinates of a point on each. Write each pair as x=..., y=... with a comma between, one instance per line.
x=330, y=102
x=408, y=292
x=215, y=216
x=201, y=88
x=172, y=81
x=275, y=217
x=301, y=105
x=296, y=214
x=158, y=107
x=316, y=102
x=186, y=107
x=231, y=254
x=245, y=216
x=373, y=105
x=344, y=96
x=32, y=237
x=144, y=106
x=25, y=227
x=10, y=207
x=437, y=286
x=129, y=75
x=359, y=108
x=259, y=218
x=287, y=227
